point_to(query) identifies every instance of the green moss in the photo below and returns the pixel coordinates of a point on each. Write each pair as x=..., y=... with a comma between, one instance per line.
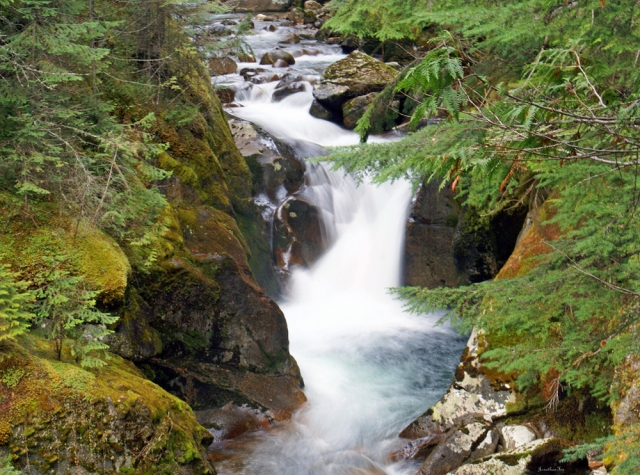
x=63, y=402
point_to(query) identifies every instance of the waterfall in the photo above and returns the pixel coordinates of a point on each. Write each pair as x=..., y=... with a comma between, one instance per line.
x=369, y=367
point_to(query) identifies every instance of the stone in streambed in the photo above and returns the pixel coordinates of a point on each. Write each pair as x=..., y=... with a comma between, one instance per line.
x=320, y=111
x=288, y=90
x=273, y=56
x=246, y=58
x=291, y=39
x=222, y=66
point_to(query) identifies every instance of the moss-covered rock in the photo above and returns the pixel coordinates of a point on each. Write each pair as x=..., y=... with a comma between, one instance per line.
x=57, y=416
x=356, y=75
x=30, y=246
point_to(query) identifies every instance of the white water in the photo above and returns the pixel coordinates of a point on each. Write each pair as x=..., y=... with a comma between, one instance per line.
x=369, y=367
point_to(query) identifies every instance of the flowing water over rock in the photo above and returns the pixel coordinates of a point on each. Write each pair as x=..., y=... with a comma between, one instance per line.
x=369, y=368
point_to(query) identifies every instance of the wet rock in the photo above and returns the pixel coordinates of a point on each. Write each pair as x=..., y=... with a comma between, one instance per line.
x=207, y=387
x=311, y=51
x=280, y=63
x=231, y=420
x=296, y=17
x=312, y=5
x=291, y=39
x=418, y=449
x=262, y=17
x=271, y=28
x=298, y=234
x=288, y=79
x=455, y=450
x=134, y=338
x=221, y=66
x=433, y=220
x=226, y=94
x=217, y=29
x=355, y=75
x=278, y=166
x=516, y=436
x=483, y=246
x=319, y=111
x=248, y=73
x=349, y=44
x=310, y=17
x=246, y=58
x=288, y=90
x=354, y=109
x=273, y=56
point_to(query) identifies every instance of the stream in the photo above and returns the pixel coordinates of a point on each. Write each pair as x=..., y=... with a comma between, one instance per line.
x=369, y=367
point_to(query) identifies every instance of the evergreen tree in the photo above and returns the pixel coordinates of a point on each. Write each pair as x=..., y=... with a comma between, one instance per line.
x=14, y=300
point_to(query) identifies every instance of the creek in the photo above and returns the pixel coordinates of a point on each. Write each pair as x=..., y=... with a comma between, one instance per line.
x=369, y=367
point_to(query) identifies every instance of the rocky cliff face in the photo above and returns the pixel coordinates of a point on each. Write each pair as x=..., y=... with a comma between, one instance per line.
x=449, y=245
x=194, y=316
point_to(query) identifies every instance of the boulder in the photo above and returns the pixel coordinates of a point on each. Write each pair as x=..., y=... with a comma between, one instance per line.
x=516, y=436
x=221, y=66
x=354, y=109
x=271, y=28
x=433, y=219
x=312, y=5
x=59, y=417
x=320, y=111
x=288, y=90
x=273, y=56
x=356, y=75
x=226, y=94
x=291, y=39
x=246, y=58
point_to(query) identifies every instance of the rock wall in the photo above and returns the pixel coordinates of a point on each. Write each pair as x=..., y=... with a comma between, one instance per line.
x=448, y=245
x=194, y=316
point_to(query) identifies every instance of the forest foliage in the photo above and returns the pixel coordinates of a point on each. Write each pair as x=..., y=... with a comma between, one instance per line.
x=80, y=86
x=529, y=99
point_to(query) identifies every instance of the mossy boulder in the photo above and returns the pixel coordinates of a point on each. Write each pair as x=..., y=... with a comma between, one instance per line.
x=78, y=246
x=356, y=75
x=58, y=417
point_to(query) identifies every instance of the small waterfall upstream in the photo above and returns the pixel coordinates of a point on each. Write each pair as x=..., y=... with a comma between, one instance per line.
x=369, y=367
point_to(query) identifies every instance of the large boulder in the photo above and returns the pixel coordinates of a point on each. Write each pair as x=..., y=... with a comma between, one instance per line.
x=222, y=66
x=429, y=254
x=58, y=417
x=356, y=75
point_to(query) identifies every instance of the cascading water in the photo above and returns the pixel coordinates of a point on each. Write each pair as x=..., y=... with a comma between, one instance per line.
x=369, y=367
